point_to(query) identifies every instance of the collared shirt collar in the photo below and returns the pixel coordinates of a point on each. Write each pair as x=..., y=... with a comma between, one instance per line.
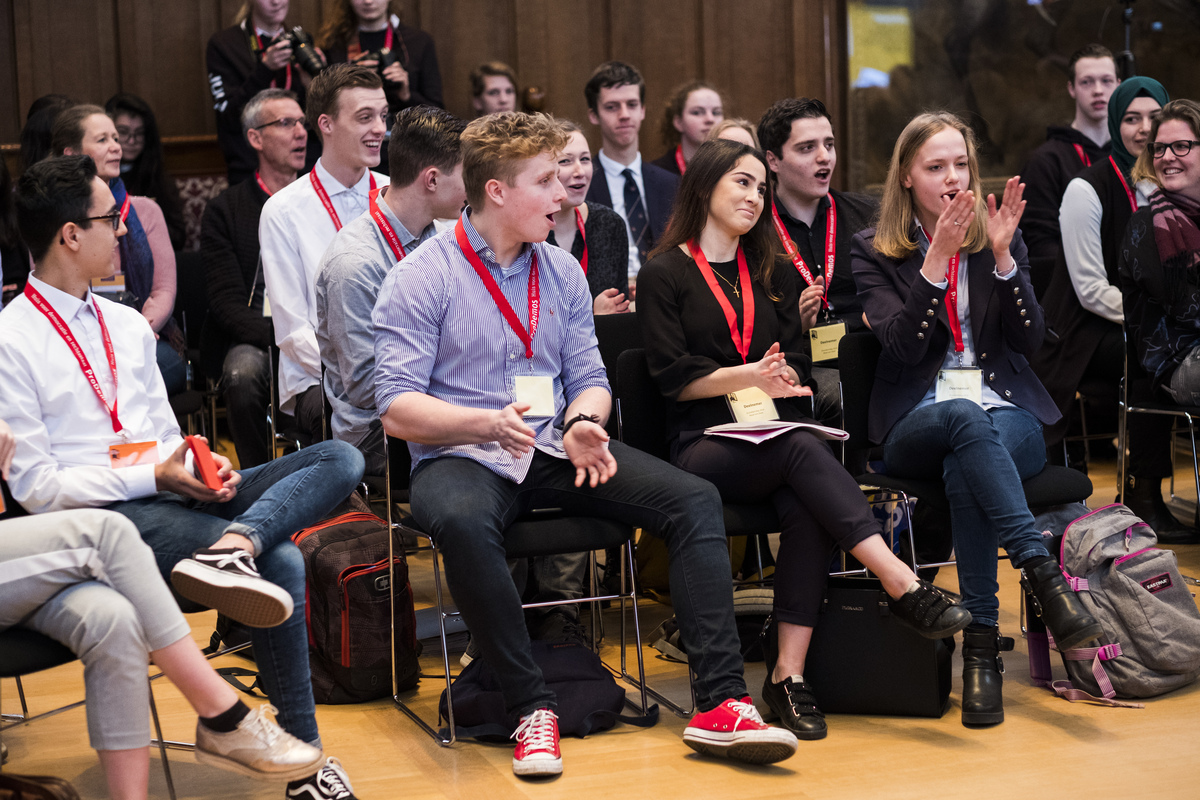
x=65, y=305
x=333, y=186
x=480, y=246
x=822, y=207
x=613, y=169
x=406, y=236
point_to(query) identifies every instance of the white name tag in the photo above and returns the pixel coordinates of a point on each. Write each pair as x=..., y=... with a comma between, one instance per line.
x=538, y=392
x=751, y=405
x=824, y=340
x=959, y=383
x=266, y=304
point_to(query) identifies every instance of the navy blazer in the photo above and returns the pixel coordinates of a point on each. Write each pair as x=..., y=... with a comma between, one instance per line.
x=909, y=317
x=660, y=195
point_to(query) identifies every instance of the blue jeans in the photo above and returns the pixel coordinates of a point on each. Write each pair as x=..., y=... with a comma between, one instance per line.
x=982, y=456
x=466, y=507
x=174, y=371
x=273, y=501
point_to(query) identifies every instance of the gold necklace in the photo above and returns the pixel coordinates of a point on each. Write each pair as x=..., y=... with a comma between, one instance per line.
x=736, y=293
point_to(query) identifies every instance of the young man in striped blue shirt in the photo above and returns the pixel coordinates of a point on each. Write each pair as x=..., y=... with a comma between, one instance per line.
x=487, y=364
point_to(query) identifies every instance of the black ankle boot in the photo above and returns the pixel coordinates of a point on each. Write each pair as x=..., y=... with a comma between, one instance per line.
x=983, y=695
x=1061, y=611
x=1143, y=496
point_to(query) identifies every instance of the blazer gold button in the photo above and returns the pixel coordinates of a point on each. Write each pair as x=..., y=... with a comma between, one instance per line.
x=1022, y=312
x=935, y=301
x=991, y=376
x=924, y=324
x=929, y=312
x=1020, y=302
x=1007, y=393
x=1027, y=323
x=1016, y=290
x=920, y=336
x=982, y=356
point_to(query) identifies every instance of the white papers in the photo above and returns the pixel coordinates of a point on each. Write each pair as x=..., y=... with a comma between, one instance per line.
x=759, y=432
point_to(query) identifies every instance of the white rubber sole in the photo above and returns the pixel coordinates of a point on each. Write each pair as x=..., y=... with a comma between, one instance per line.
x=538, y=767
x=230, y=765
x=254, y=602
x=753, y=747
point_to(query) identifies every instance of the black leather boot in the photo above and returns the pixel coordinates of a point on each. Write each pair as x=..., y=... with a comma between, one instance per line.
x=983, y=695
x=1144, y=497
x=1061, y=611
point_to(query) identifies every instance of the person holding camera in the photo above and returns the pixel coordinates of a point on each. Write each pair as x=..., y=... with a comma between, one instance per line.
x=257, y=52
x=369, y=33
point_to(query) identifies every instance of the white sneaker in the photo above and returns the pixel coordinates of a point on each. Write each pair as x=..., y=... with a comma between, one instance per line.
x=537, y=753
x=258, y=748
x=228, y=581
x=329, y=783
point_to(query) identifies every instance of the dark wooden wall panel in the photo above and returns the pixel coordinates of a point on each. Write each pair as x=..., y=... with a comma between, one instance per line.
x=11, y=114
x=468, y=32
x=748, y=53
x=559, y=43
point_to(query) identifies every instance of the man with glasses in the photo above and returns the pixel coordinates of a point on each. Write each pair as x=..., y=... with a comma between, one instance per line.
x=347, y=109
x=273, y=125
x=1068, y=149
x=87, y=405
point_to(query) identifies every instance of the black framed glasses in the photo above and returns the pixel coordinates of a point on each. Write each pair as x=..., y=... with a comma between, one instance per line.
x=1180, y=148
x=283, y=123
x=114, y=219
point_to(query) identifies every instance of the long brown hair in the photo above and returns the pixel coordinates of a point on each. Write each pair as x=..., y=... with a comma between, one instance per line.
x=893, y=234
x=711, y=162
x=674, y=108
x=1181, y=110
x=341, y=25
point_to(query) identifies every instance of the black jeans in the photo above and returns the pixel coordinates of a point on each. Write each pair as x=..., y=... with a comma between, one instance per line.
x=819, y=504
x=466, y=508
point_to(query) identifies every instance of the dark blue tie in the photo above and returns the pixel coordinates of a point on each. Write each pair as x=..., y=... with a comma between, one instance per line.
x=635, y=214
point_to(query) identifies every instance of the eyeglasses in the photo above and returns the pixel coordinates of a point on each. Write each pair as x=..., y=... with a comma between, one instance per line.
x=126, y=135
x=283, y=123
x=1180, y=148
x=114, y=219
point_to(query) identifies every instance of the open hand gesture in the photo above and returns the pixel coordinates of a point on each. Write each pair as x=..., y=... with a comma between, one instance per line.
x=1002, y=222
x=586, y=444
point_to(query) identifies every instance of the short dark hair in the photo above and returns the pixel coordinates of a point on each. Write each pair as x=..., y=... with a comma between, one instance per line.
x=1092, y=50
x=491, y=69
x=68, y=127
x=326, y=89
x=423, y=136
x=51, y=193
x=775, y=126
x=35, y=136
x=610, y=75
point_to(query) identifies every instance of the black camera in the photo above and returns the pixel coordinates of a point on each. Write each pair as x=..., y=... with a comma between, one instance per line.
x=384, y=58
x=304, y=51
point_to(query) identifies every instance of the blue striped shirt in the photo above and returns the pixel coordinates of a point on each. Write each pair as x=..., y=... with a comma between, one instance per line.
x=438, y=332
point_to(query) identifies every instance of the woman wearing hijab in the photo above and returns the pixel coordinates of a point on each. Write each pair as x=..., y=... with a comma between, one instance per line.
x=1083, y=301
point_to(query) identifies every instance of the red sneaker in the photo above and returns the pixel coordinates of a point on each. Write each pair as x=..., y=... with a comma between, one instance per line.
x=537, y=745
x=735, y=730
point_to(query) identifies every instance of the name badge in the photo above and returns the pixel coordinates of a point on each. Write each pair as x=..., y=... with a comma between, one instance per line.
x=266, y=304
x=538, y=392
x=959, y=383
x=132, y=454
x=114, y=284
x=751, y=405
x=824, y=340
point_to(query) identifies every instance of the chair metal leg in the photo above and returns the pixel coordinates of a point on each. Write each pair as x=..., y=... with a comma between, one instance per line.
x=24, y=717
x=162, y=747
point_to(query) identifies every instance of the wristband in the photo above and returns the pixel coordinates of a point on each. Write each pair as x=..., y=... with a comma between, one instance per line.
x=580, y=418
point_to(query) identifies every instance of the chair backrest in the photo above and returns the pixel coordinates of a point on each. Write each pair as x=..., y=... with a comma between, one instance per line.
x=858, y=353
x=641, y=407
x=191, y=296
x=615, y=334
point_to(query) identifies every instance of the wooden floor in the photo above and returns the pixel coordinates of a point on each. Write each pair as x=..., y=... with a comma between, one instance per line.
x=1045, y=746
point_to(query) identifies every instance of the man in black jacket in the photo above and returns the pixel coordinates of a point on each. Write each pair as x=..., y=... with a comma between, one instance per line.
x=275, y=132
x=1068, y=149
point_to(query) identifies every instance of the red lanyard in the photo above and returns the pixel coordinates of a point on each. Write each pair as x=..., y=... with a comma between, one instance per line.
x=262, y=185
x=1087, y=162
x=582, y=238
x=501, y=301
x=355, y=48
x=125, y=207
x=385, y=227
x=324, y=195
x=288, y=83
x=741, y=342
x=798, y=260
x=952, y=311
x=1124, y=185
x=679, y=159
x=64, y=331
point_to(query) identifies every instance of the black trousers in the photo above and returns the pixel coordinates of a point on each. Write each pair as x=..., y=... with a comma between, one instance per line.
x=819, y=504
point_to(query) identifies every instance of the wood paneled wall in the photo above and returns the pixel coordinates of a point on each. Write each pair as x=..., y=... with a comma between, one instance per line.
x=755, y=50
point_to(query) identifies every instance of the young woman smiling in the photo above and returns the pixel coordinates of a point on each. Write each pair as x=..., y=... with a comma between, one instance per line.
x=720, y=317
x=944, y=282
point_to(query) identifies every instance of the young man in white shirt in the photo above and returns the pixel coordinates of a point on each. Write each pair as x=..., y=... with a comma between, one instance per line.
x=87, y=404
x=639, y=191
x=348, y=110
x=487, y=365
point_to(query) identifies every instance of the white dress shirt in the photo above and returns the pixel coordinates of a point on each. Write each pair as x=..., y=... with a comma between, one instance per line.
x=616, y=191
x=293, y=232
x=63, y=432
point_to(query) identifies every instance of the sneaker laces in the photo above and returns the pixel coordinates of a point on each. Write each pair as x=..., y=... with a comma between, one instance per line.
x=336, y=782
x=537, y=730
x=745, y=711
x=257, y=723
x=223, y=560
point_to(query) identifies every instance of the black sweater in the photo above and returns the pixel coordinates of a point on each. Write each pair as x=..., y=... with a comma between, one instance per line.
x=608, y=250
x=687, y=336
x=424, y=77
x=229, y=251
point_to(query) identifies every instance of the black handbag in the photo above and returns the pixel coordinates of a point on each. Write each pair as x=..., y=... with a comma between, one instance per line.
x=861, y=661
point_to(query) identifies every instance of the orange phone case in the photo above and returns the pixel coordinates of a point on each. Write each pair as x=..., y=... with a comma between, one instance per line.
x=205, y=463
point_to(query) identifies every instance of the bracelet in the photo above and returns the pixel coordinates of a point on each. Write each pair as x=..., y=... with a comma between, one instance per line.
x=580, y=418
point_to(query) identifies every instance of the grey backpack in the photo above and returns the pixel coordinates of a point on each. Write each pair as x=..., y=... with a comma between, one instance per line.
x=1151, y=641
